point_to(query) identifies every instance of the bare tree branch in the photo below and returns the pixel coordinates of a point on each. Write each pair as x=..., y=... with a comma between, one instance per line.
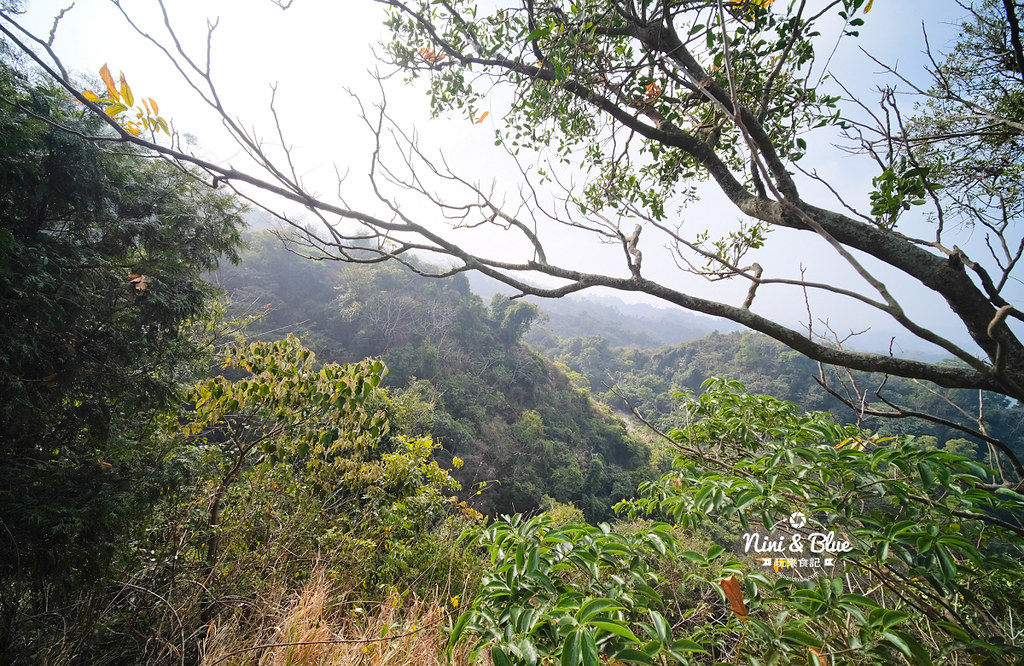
x=637, y=96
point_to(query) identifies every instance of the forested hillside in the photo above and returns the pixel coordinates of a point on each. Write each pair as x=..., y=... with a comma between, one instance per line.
x=650, y=378
x=512, y=416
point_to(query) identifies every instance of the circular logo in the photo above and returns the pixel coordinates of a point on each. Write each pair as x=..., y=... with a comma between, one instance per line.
x=798, y=520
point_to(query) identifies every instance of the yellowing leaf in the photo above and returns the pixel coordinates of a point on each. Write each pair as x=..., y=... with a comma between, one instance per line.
x=126, y=92
x=91, y=96
x=156, y=109
x=763, y=4
x=430, y=56
x=652, y=92
x=481, y=118
x=109, y=80
x=867, y=7
x=115, y=110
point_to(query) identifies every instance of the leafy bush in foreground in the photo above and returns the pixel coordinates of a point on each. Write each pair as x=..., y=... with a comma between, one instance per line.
x=919, y=555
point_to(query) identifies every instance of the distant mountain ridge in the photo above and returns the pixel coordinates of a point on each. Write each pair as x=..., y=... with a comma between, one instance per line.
x=646, y=326
x=622, y=324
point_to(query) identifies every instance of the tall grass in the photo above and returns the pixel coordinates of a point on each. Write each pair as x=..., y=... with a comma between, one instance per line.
x=327, y=626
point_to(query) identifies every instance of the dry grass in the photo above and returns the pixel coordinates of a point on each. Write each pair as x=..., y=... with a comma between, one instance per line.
x=324, y=626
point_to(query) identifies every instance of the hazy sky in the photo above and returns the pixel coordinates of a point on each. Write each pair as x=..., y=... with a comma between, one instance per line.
x=317, y=49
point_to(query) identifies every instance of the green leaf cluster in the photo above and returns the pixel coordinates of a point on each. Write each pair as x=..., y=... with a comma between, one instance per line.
x=899, y=188
x=570, y=594
x=933, y=573
x=935, y=537
x=286, y=406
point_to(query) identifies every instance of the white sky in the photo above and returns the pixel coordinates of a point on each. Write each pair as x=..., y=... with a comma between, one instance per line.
x=316, y=49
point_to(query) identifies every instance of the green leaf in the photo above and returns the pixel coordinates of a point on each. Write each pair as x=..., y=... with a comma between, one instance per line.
x=538, y=33
x=924, y=469
x=456, y=635
x=1007, y=493
x=860, y=600
x=631, y=656
x=572, y=652
x=590, y=654
x=618, y=628
x=801, y=637
x=885, y=619
x=910, y=648
x=946, y=563
x=953, y=629
x=746, y=498
x=595, y=607
x=686, y=645
x=662, y=631
x=527, y=650
x=499, y=656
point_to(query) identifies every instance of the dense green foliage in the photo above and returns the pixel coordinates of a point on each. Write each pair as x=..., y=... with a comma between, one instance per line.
x=512, y=416
x=142, y=502
x=285, y=430
x=919, y=555
x=101, y=256
x=290, y=469
x=562, y=592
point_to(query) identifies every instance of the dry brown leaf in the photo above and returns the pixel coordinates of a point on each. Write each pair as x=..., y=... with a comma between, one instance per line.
x=734, y=594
